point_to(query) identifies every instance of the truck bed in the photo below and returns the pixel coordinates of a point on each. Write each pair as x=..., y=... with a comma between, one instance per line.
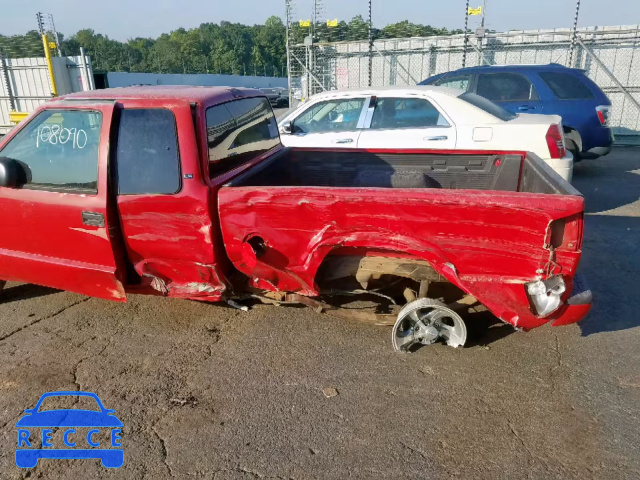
x=486, y=223
x=381, y=169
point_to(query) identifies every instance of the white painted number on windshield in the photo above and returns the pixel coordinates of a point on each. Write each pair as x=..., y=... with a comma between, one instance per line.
x=58, y=135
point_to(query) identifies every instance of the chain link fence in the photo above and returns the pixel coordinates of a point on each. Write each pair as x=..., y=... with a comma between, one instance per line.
x=609, y=55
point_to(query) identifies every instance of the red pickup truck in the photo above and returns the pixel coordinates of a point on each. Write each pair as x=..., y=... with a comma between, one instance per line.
x=187, y=192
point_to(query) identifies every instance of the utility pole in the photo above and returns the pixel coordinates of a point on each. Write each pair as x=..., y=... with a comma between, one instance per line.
x=484, y=9
x=480, y=34
x=574, y=34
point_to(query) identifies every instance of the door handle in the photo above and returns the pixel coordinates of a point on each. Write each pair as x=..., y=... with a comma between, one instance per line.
x=93, y=219
x=524, y=108
x=437, y=139
x=344, y=140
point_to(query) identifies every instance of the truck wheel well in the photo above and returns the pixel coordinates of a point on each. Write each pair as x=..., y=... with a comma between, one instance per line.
x=393, y=275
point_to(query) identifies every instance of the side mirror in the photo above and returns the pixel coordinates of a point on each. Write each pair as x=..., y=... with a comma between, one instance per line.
x=29, y=411
x=13, y=174
x=287, y=127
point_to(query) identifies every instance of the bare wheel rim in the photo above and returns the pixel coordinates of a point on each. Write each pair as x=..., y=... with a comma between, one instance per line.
x=426, y=321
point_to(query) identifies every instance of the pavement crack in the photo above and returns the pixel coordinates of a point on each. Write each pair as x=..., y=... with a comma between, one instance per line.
x=87, y=357
x=515, y=434
x=250, y=472
x=415, y=450
x=165, y=452
x=524, y=445
x=47, y=317
x=558, y=363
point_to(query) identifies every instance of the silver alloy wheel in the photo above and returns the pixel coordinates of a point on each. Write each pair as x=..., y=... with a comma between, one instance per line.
x=424, y=321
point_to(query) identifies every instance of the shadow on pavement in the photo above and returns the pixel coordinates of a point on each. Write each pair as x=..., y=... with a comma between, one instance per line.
x=25, y=292
x=609, y=182
x=611, y=264
x=484, y=328
x=611, y=250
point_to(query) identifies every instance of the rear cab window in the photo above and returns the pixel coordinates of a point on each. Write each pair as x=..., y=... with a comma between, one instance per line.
x=239, y=131
x=147, y=159
x=59, y=150
x=566, y=86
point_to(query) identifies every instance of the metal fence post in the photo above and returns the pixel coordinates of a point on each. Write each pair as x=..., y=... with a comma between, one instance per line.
x=574, y=35
x=466, y=35
x=5, y=79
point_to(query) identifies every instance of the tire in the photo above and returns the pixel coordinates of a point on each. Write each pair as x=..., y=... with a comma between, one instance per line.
x=573, y=148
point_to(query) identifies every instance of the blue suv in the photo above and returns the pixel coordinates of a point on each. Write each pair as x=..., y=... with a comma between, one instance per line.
x=548, y=89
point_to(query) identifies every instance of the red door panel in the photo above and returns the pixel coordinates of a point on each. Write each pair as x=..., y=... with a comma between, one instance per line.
x=56, y=230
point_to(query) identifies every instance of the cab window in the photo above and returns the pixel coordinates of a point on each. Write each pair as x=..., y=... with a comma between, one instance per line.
x=239, y=131
x=147, y=157
x=393, y=113
x=337, y=115
x=59, y=150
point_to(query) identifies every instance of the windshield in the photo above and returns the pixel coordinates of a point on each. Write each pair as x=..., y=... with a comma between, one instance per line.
x=487, y=106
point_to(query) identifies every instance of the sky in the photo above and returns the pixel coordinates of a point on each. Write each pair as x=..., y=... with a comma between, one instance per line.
x=124, y=19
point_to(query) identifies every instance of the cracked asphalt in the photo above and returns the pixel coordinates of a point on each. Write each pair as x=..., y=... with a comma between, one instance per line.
x=205, y=391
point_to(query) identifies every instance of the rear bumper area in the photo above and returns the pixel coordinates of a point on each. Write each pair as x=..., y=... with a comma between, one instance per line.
x=562, y=166
x=577, y=307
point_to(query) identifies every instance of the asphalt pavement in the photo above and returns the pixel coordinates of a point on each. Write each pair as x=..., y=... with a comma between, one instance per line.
x=206, y=391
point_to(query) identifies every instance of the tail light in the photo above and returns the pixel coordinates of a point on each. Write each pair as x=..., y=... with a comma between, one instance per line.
x=555, y=141
x=566, y=233
x=603, y=115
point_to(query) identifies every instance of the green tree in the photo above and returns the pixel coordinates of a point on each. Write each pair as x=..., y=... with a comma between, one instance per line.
x=209, y=48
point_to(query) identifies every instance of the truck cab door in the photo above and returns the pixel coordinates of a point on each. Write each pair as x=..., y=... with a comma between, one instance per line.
x=57, y=225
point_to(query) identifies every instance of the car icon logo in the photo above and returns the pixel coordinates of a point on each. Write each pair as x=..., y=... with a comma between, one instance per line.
x=80, y=431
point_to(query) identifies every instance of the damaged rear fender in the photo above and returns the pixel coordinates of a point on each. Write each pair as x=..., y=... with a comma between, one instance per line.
x=395, y=245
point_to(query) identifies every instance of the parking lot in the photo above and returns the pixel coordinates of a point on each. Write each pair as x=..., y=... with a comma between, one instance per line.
x=206, y=391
